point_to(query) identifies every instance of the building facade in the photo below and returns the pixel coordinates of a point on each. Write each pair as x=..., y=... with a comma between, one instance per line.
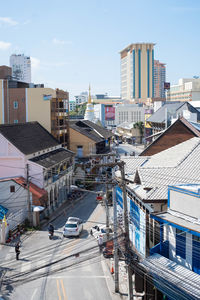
x=21, y=67
x=82, y=98
x=187, y=89
x=28, y=148
x=159, y=79
x=19, y=104
x=129, y=113
x=137, y=72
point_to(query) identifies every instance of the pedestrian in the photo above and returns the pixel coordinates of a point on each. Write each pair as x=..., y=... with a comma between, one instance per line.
x=17, y=251
x=100, y=243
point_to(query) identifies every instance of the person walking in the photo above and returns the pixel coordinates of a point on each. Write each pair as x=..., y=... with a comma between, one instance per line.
x=100, y=243
x=17, y=251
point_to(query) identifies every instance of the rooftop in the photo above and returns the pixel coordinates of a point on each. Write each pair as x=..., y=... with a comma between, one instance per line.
x=28, y=137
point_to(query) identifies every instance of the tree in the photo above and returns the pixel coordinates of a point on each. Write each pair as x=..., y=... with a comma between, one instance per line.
x=140, y=127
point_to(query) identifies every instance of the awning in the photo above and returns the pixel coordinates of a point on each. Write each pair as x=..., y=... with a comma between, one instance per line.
x=172, y=279
x=34, y=189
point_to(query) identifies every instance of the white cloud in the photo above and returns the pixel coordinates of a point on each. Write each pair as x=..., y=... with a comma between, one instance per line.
x=7, y=21
x=4, y=45
x=61, y=42
x=35, y=63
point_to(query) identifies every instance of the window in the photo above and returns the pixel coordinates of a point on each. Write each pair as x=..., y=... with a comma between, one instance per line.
x=12, y=189
x=15, y=104
x=180, y=243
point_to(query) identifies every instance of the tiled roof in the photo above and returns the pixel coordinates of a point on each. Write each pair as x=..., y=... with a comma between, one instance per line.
x=52, y=158
x=28, y=137
x=91, y=130
x=192, y=126
x=160, y=115
x=177, y=165
x=34, y=189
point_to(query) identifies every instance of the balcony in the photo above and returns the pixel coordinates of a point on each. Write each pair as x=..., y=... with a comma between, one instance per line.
x=161, y=248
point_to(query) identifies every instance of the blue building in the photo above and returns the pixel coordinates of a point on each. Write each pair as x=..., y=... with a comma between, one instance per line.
x=174, y=263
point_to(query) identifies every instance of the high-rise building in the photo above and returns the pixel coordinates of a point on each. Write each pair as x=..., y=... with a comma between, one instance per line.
x=137, y=72
x=159, y=79
x=21, y=67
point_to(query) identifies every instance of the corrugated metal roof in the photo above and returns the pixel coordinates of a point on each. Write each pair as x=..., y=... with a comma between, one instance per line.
x=174, y=280
x=177, y=165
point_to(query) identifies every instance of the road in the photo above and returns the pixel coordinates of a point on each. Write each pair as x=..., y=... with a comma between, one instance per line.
x=62, y=268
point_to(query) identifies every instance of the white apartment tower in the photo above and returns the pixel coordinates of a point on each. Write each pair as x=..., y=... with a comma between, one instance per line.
x=137, y=72
x=21, y=67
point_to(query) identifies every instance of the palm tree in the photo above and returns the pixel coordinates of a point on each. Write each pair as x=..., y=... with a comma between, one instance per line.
x=140, y=126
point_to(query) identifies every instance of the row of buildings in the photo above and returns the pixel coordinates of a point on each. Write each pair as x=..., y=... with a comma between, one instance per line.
x=163, y=197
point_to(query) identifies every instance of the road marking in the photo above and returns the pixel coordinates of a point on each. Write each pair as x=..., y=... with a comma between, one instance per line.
x=34, y=294
x=58, y=290
x=62, y=285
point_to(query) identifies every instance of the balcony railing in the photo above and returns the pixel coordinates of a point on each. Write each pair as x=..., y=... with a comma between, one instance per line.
x=161, y=248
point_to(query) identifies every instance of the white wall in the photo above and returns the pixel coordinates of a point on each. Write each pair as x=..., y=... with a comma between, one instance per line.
x=184, y=203
x=187, y=262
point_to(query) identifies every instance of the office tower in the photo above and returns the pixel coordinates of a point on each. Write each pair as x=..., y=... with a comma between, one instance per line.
x=159, y=79
x=137, y=72
x=21, y=67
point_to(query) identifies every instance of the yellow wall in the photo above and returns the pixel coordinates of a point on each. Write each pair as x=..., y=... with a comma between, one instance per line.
x=39, y=109
x=78, y=139
x=1, y=99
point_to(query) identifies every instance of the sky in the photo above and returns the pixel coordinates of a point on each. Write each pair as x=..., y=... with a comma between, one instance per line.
x=76, y=43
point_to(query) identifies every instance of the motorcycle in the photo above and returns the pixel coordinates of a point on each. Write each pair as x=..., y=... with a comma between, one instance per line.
x=50, y=235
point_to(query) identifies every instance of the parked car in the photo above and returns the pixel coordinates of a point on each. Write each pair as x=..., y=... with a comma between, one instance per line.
x=72, y=228
x=75, y=219
x=100, y=230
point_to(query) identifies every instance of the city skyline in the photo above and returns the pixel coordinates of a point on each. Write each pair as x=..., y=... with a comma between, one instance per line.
x=74, y=44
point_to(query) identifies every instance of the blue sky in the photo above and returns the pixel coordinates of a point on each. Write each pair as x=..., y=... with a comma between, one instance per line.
x=74, y=43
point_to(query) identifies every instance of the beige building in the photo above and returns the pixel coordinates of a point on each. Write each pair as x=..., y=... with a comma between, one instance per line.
x=20, y=104
x=187, y=89
x=137, y=72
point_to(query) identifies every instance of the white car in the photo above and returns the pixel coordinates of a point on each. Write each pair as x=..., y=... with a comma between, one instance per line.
x=72, y=229
x=100, y=230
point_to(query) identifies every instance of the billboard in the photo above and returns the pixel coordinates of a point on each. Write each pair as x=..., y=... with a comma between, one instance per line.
x=137, y=227
x=109, y=113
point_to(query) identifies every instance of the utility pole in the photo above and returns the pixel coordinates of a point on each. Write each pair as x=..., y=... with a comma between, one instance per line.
x=107, y=210
x=126, y=228
x=28, y=195
x=116, y=258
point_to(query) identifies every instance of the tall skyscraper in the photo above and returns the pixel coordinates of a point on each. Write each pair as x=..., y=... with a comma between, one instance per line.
x=21, y=67
x=137, y=72
x=159, y=79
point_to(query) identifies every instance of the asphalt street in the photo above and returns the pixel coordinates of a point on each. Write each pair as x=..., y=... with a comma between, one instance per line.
x=62, y=268
x=121, y=149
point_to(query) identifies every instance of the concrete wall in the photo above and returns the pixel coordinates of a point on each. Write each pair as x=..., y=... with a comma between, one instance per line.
x=185, y=203
x=78, y=139
x=38, y=109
